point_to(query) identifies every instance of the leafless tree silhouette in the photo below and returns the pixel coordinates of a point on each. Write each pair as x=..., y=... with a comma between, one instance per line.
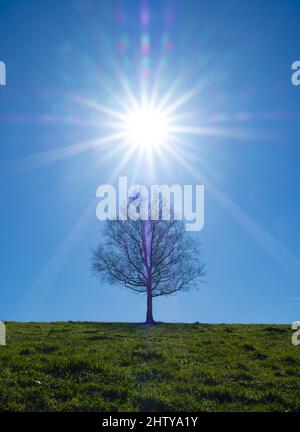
x=155, y=257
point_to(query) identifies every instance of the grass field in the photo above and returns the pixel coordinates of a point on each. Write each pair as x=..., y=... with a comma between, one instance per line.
x=129, y=367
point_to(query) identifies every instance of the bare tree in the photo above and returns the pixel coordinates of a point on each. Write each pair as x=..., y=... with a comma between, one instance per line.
x=155, y=257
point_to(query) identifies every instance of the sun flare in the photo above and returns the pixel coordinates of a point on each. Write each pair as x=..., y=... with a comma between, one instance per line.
x=146, y=127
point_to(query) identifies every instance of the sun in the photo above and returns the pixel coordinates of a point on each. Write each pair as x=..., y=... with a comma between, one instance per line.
x=145, y=127
x=149, y=126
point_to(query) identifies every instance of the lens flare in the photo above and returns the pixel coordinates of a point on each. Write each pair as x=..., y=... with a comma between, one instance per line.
x=145, y=127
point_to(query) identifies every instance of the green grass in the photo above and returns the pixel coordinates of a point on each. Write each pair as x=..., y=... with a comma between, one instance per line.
x=129, y=367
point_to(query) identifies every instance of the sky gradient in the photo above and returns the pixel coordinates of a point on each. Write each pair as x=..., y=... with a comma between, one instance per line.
x=232, y=61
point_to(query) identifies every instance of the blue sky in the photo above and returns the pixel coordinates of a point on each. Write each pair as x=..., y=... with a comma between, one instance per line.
x=238, y=56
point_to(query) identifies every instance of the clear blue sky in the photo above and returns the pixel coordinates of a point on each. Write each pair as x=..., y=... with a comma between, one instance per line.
x=239, y=54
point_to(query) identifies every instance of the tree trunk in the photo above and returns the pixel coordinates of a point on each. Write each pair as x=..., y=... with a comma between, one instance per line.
x=149, y=316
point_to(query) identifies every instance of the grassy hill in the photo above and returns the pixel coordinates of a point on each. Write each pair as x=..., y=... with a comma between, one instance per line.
x=129, y=367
